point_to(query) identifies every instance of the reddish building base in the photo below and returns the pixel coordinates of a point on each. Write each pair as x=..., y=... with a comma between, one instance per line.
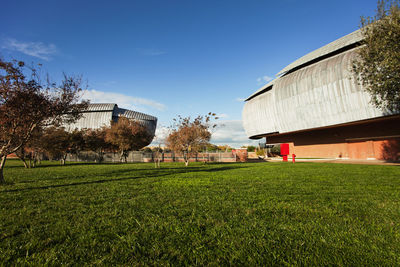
x=371, y=139
x=371, y=149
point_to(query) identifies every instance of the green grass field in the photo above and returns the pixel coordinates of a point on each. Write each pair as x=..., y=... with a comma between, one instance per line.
x=214, y=214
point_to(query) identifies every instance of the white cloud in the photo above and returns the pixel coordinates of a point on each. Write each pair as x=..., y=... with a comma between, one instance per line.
x=231, y=133
x=226, y=133
x=239, y=99
x=222, y=116
x=151, y=51
x=123, y=101
x=264, y=79
x=34, y=49
x=162, y=133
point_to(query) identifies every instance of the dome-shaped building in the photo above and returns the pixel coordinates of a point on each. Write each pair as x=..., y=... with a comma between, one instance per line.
x=98, y=115
x=317, y=106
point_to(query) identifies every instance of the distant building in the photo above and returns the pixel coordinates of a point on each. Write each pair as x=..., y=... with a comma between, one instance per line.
x=317, y=107
x=99, y=115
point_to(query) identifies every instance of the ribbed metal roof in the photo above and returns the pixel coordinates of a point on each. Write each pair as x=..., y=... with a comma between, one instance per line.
x=98, y=115
x=100, y=107
x=119, y=111
x=130, y=114
x=346, y=40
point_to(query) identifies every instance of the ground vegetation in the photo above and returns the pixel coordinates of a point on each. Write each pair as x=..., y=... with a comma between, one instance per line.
x=241, y=214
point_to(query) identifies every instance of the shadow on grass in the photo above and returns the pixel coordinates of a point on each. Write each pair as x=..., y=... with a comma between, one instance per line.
x=144, y=171
x=161, y=173
x=16, y=163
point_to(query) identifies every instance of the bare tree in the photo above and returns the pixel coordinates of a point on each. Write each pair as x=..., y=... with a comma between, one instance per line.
x=26, y=104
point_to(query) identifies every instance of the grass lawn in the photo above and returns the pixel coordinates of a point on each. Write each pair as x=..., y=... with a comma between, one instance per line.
x=214, y=214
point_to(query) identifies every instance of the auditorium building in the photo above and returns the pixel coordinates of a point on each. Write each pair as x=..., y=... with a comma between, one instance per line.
x=317, y=106
x=98, y=115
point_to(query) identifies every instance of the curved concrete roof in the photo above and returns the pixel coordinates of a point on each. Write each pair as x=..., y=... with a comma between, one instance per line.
x=318, y=54
x=261, y=90
x=318, y=95
x=338, y=44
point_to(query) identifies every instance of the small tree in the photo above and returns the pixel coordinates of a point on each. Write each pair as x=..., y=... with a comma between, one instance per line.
x=56, y=143
x=378, y=63
x=157, y=154
x=250, y=148
x=127, y=135
x=95, y=140
x=189, y=136
x=29, y=153
x=27, y=104
x=260, y=152
x=76, y=143
x=225, y=148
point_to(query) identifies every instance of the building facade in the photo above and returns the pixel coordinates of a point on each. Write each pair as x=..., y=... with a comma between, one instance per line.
x=317, y=106
x=102, y=114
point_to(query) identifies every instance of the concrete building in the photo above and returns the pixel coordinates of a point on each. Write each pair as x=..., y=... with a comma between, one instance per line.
x=318, y=107
x=99, y=115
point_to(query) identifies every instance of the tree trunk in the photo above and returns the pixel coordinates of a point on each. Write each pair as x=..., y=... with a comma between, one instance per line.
x=64, y=159
x=157, y=161
x=21, y=155
x=34, y=159
x=24, y=161
x=101, y=156
x=123, y=157
x=2, y=163
x=186, y=158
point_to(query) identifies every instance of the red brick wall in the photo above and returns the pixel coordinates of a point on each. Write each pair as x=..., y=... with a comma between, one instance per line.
x=378, y=139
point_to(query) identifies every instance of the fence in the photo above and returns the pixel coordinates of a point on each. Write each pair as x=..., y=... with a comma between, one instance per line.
x=139, y=156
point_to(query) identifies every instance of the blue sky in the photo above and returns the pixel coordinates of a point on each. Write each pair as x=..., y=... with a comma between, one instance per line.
x=169, y=58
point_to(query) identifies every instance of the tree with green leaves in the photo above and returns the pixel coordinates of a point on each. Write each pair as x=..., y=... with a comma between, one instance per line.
x=377, y=66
